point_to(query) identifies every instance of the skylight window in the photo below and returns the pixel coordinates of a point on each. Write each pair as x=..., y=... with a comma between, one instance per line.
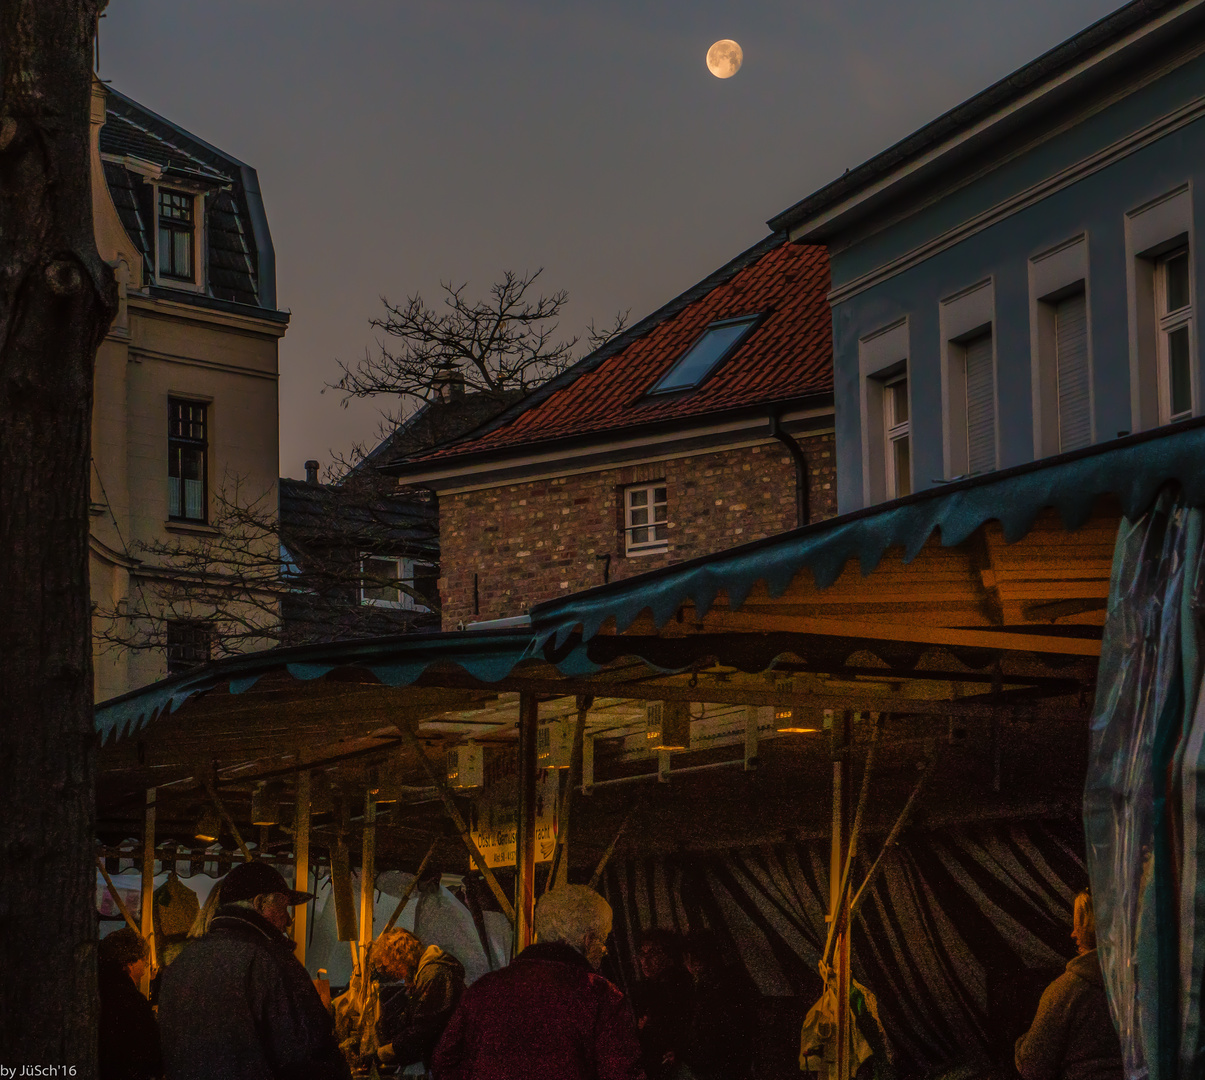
x=716, y=342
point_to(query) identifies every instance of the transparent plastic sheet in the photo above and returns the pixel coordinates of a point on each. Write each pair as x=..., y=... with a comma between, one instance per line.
x=1189, y=771
x=1136, y=727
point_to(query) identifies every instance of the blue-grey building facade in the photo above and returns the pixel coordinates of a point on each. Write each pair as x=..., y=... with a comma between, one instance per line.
x=1021, y=277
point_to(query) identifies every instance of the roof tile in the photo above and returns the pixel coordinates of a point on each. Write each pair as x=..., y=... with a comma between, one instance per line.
x=788, y=355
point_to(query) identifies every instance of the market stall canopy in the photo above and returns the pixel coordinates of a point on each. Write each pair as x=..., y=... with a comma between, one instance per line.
x=984, y=595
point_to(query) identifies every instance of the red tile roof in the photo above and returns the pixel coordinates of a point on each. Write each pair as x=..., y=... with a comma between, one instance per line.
x=788, y=355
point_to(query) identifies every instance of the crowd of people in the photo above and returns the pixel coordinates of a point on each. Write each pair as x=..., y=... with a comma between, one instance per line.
x=236, y=1004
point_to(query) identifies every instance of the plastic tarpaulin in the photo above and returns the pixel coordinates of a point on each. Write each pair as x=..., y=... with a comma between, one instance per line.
x=1141, y=816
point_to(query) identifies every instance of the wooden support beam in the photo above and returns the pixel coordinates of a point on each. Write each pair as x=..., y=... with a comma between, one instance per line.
x=922, y=632
x=734, y=692
x=596, y=877
x=450, y=806
x=225, y=816
x=121, y=904
x=405, y=899
x=148, y=889
x=842, y=738
x=525, y=852
x=368, y=876
x=301, y=870
x=559, y=872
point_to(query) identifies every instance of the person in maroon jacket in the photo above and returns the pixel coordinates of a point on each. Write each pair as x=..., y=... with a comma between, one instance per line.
x=549, y=1015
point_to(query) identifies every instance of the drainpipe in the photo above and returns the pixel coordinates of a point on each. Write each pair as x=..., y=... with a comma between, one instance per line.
x=802, y=512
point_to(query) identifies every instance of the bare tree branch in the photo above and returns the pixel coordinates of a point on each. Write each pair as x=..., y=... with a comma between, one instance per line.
x=493, y=346
x=250, y=586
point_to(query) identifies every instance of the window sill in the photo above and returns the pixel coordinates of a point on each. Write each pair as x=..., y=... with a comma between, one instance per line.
x=647, y=551
x=197, y=528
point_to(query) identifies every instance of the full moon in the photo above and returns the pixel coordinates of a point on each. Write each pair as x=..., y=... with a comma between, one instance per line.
x=724, y=58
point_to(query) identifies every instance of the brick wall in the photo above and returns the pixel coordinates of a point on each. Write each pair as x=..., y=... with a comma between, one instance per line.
x=531, y=542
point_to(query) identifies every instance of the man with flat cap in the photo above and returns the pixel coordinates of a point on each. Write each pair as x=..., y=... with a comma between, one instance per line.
x=236, y=1004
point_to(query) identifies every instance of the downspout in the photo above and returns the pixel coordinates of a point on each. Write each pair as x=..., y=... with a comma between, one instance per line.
x=802, y=511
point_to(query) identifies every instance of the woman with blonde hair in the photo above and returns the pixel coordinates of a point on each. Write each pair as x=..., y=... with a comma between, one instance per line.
x=420, y=988
x=1072, y=1036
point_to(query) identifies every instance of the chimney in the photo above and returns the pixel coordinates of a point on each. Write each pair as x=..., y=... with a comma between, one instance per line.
x=311, y=472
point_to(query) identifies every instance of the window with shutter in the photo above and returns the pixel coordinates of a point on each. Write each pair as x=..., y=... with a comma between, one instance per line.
x=1071, y=353
x=981, y=405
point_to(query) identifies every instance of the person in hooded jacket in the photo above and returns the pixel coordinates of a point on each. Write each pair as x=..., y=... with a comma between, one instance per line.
x=129, y=1036
x=1072, y=1036
x=420, y=990
x=237, y=1004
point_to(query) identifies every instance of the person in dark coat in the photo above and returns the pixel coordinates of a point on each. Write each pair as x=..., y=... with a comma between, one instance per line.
x=419, y=992
x=129, y=1036
x=1072, y=1036
x=548, y=1015
x=662, y=1000
x=723, y=1014
x=237, y=1004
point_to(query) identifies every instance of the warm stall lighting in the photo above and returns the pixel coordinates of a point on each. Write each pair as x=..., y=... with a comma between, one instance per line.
x=667, y=725
x=796, y=720
x=554, y=744
x=208, y=827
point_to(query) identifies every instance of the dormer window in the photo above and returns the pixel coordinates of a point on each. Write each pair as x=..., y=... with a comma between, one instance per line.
x=177, y=230
x=715, y=344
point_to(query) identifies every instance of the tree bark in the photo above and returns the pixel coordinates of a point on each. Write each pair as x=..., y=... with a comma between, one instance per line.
x=57, y=300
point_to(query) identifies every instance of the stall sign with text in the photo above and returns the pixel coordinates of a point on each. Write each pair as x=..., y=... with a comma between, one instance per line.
x=496, y=821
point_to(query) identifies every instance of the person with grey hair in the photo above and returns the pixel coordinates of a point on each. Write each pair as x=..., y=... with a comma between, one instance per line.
x=1072, y=1036
x=549, y=1015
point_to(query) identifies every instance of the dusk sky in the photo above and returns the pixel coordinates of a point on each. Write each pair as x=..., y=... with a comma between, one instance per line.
x=404, y=142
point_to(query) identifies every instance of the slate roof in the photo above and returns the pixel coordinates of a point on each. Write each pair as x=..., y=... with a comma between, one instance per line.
x=787, y=356
x=308, y=510
x=238, y=267
x=438, y=422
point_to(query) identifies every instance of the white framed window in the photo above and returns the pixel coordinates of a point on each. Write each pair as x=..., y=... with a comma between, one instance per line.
x=897, y=432
x=176, y=212
x=646, y=518
x=382, y=578
x=883, y=368
x=1173, y=297
x=187, y=460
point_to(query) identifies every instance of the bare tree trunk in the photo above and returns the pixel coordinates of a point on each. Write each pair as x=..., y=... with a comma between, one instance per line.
x=57, y=299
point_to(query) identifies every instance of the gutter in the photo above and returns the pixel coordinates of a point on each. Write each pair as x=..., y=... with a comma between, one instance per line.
x=562, y=450
x=802, y=510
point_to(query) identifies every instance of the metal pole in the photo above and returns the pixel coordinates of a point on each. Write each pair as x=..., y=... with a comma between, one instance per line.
x=301, y=867
x=525, y=853
x=148, y=887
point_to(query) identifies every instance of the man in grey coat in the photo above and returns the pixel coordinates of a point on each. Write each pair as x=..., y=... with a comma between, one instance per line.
x=1072, y=1036
x=237, y=1004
